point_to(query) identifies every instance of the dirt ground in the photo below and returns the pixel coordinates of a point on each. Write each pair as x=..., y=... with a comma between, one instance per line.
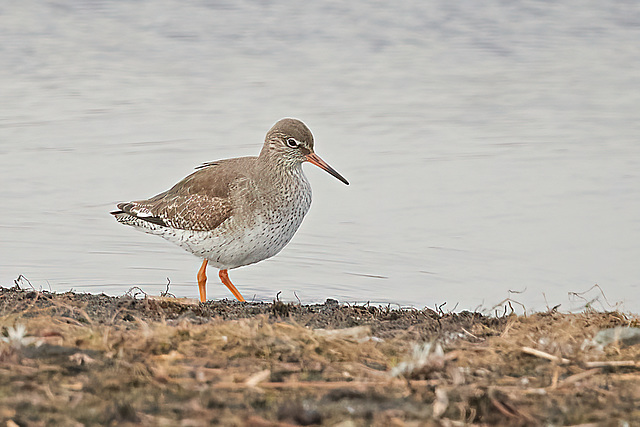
x=80, y=359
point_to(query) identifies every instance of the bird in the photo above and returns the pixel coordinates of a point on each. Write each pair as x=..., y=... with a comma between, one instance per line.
x=235, y=212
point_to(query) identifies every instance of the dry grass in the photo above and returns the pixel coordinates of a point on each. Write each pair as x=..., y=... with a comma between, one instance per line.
x=121, y=361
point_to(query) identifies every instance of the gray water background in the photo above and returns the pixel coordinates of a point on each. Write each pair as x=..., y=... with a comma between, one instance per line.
x=491, y=146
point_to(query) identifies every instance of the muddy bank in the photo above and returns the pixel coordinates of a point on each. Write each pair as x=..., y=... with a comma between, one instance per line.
x=82, y=359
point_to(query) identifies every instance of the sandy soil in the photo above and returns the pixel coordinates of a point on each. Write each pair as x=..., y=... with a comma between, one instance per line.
x=81, y=359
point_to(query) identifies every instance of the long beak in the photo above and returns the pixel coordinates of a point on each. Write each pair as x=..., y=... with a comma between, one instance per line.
x=316, y=160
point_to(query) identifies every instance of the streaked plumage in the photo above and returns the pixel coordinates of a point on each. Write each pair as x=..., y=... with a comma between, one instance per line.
x=235, y=212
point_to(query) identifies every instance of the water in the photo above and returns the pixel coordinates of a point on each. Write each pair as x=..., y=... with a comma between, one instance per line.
x=490, y=146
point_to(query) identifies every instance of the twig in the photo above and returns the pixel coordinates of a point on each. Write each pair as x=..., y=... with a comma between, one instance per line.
x=507, y=328
x=579, y=376
x=166, y=291
x=469, y=333
x=503, y=409
x=113, y=318
x=325, y=385
x=257, y=378
x=504, y=301
x=74, y=309
x=131, y=289
x=20, y=279
x=613, y=364
x=67, y=319
x=594, y=364
x=545, y=355
x=84, y=313
x=588, y=303
x=439, y=309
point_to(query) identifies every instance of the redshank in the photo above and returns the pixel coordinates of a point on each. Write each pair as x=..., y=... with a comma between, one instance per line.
x=235, y=212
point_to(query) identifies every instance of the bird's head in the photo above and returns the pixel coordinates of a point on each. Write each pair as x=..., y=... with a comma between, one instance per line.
x=291, y=142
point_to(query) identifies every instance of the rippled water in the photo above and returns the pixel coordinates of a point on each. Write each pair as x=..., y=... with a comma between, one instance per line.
x=490, y=146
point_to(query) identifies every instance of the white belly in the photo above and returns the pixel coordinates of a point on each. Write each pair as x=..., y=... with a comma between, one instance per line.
x=237, y=246
x=234, y=244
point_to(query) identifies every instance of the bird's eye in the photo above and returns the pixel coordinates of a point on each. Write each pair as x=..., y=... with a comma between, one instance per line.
x=291, y=142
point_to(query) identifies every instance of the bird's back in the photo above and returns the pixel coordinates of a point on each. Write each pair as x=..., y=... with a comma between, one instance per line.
x=199, y=202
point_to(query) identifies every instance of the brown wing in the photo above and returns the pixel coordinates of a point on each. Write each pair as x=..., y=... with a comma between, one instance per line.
x=200, y=202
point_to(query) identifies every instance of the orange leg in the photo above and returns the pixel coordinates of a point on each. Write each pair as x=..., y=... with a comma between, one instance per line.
x=202, y=281
x=224, y=276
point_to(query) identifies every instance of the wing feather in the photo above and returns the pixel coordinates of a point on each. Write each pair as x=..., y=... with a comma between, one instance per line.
x=200, y=202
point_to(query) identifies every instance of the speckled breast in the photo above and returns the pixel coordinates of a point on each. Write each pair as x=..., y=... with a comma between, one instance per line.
x=250, y=235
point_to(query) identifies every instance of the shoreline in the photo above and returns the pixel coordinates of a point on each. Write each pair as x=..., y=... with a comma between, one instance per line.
x=86, y=359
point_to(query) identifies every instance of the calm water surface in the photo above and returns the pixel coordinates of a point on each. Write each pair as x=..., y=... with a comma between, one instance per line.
x=490, y=146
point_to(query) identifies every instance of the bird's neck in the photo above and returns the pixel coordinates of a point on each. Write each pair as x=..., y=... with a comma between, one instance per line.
x=276, y=168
